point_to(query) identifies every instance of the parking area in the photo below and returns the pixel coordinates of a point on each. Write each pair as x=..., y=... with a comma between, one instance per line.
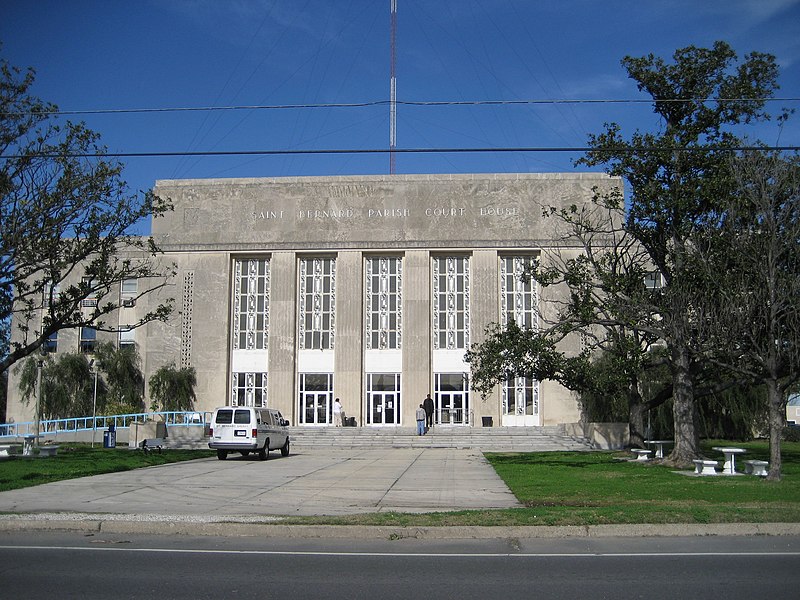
x=310, y=482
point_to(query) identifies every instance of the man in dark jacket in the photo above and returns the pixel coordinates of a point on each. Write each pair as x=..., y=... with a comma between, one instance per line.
x=427, y=404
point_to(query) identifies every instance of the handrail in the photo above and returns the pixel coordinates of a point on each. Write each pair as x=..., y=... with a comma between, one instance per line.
x=174, y=418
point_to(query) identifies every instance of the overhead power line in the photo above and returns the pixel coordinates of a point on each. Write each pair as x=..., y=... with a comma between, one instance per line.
x=407, y=151
x=424, y=103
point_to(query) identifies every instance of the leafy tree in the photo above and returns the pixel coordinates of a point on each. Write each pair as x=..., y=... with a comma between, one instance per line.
x=172, y=388
x=123, y=378
x=67, y=386
x=65, y=213
x=679, y=181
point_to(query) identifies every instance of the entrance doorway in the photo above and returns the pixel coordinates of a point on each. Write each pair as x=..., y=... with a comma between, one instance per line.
x=316, y=398
x=451, y=399
x=383, y=399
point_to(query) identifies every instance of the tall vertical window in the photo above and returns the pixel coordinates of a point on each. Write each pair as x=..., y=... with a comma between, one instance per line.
x=519, y=297
x=92, y=296
x=317, y=303
x=128, y=291
x=126, y=336
x=519, y=304
x=251, y=304
x=249, y=389
x=521, y=397
x=384, y=289
x=88, y=339
x=451, y=302
x=51, y=343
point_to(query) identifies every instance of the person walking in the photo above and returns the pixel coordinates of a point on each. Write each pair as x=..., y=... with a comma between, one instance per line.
x=337, y=413
x=427, y=404
x=420, y=420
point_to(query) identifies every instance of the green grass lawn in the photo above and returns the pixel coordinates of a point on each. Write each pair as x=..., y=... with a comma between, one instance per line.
x=81, y=460
x=605, y=487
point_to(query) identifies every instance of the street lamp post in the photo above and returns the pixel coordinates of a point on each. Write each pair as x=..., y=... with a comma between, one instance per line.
x=39, y=366
x=94, y=401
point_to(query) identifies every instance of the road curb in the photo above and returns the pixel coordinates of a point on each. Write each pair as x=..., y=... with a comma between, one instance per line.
x=248, y=527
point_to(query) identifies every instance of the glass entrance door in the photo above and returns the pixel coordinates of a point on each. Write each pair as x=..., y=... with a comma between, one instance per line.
x=316, y=398
x=451, y=399
x=384, y=408
x=383, y=398
x=315, y=408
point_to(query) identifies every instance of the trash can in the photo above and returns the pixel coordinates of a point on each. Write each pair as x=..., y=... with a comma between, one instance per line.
x=487, y=421
x=110, y=438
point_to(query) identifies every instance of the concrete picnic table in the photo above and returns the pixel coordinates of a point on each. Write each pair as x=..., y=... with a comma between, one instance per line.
x=659, y=444
x=27, y=444
x=729, y=468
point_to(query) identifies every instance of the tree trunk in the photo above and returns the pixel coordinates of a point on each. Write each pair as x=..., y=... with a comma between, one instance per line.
x=636, y=412
x=684, y=411
x=777, y=414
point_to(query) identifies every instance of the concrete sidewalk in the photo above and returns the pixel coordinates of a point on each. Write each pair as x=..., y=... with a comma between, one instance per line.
x=310, y=482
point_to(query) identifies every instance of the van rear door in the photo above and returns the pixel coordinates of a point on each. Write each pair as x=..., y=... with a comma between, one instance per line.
x=232, y=425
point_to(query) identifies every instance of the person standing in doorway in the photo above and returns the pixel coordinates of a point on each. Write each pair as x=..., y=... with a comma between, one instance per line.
x=427, y=404
x=420, y=420
x=337, y=413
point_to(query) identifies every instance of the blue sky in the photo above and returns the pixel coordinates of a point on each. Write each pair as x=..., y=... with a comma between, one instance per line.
x=114, y=54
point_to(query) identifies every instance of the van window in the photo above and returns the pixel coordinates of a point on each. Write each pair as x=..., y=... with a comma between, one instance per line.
x=242, y=417
x=225, y=417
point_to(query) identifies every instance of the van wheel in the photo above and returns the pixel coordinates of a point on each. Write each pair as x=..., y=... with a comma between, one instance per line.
x=285, y=448
x=263, y=454
x=222, y=454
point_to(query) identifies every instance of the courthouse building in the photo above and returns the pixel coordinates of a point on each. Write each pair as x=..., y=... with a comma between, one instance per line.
x=291, y=292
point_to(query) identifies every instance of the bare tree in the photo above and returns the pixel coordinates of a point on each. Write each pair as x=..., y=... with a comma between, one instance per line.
x=65, y=222
x=753, y=261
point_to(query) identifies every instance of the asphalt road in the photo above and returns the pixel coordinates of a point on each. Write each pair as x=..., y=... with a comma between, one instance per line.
x=73, y=565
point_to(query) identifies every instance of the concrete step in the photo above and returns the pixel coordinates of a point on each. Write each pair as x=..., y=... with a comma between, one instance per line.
x=499, y=439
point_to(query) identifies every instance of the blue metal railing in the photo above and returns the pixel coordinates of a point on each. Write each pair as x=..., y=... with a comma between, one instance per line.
x=171, y=418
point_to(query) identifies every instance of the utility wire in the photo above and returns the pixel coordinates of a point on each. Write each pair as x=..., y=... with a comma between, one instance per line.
x=112, y=111
x=406, y=151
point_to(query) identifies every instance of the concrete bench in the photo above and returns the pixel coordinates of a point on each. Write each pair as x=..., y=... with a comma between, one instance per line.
x=641, y=454
x=9, y=449
x=48, y=450
x=705, y=467
x=152, y=445
x=756, y=467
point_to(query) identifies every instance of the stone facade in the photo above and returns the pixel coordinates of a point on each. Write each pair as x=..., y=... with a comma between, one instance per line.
x=293, y=291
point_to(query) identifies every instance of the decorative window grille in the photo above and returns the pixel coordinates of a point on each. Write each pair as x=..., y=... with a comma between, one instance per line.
x=249, y=389
x=317, y=303
x=520, y=297
x=521, y=396
x=186, y=319
x=384, y=314
x=451, y=290
x=251, y=304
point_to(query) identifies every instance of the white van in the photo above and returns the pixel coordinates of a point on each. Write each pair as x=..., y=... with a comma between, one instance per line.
x=245, y=429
